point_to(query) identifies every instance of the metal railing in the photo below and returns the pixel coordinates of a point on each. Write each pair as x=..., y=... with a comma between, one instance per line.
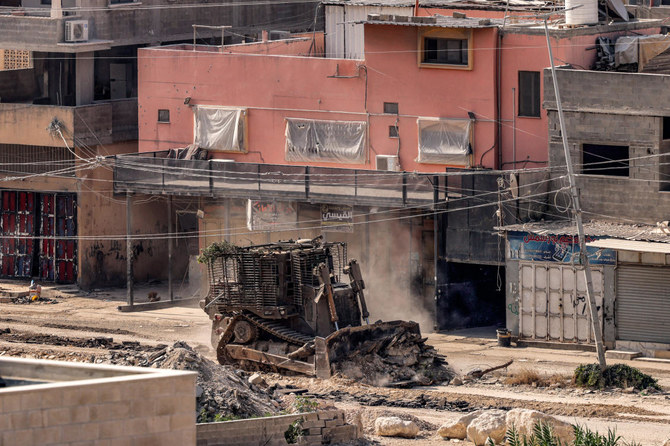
x=154, y=173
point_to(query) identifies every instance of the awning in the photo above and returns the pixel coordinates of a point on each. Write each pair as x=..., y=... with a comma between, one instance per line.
x=630, y=245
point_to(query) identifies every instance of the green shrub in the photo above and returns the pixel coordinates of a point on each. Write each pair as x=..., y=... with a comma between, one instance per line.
x=617, y=375
x=543, y=435
x=294, y=432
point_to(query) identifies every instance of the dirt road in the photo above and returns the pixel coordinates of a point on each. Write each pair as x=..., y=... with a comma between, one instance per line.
x=87, y=327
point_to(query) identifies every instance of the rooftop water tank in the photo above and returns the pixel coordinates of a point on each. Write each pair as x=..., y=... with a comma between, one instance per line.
x=585, y=14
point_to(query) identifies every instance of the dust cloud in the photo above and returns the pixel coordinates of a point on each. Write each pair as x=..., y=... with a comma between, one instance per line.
x=389, y=298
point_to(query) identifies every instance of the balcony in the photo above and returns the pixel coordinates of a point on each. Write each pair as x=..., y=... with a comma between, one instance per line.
x=154, y=173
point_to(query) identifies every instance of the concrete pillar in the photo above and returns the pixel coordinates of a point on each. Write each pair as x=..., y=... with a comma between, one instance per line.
x=56, y=9
x=84, y=77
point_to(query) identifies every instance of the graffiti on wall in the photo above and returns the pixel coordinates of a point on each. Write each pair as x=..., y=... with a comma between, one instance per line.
x=555, y=248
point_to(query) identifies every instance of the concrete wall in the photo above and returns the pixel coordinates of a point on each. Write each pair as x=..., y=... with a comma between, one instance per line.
x=27, y=124
x=323, y=427
x=139, y=408
x=632, y=115
x=147, y=23
x=527, y=51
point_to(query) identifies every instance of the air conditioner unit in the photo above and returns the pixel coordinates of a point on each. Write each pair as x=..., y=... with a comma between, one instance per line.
x=76, y=31
x=387, y=162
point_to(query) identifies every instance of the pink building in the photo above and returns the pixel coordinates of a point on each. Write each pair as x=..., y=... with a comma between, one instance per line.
x=428, y=92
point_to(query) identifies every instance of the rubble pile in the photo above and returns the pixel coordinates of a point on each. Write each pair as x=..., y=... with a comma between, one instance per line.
x=24, y=300
x=221, y=390
x=394, y=355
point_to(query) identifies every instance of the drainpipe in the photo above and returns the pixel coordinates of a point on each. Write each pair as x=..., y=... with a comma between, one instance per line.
x=498, y=101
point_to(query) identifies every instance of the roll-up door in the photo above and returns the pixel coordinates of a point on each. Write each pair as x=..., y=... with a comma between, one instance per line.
x=643, y=303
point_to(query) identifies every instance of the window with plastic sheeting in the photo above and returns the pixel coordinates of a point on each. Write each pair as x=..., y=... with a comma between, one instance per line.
x=444, y=141
x=220, y=128
x=336, y=141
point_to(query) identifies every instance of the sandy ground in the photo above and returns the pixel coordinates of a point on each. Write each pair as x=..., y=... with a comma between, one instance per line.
x=637, y=417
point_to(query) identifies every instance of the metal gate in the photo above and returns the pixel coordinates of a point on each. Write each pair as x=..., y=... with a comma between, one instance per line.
x=553, y=303
x=38, y=228
x=642, y=307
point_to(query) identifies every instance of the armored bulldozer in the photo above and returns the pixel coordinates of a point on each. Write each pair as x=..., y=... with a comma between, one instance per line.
x=299, y=306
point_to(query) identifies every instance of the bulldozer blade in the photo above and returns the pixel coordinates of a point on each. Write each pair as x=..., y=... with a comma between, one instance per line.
x=249, y=354
x=321, y=361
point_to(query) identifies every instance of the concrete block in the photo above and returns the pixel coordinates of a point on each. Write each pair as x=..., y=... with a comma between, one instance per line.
x=340, y=433
x=31, y=400
x=622, y=354
x=313, y=423
x=328, y=414
x=79, y=432
x=662, y=354
x=333, y=423
x=47, y=435
x=311, y=440
x=55, y=417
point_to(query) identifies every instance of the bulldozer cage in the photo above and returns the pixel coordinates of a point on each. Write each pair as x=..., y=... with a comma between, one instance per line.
x=256, y=276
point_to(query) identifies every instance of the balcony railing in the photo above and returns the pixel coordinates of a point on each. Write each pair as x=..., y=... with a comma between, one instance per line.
x=153, y=173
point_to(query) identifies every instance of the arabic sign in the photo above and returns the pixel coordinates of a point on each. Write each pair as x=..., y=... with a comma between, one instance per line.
x=555, y=248
x=337, y=218
x=271, y=215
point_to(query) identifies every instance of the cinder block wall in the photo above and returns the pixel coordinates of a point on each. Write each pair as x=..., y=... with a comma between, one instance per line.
x=618, y=109
x=323, y=427
x=156, y=410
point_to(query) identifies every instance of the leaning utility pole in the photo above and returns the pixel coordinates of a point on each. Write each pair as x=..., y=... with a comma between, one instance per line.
x=584, y=258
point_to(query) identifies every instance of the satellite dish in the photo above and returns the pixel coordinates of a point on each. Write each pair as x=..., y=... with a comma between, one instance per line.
x=618, y=7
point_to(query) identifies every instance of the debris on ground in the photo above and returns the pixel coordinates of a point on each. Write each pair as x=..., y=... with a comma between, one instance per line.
x=223, y=391
x=153, y=296
x=398, y=357
x=33, y=300
x=477, y=374
x=420, y=401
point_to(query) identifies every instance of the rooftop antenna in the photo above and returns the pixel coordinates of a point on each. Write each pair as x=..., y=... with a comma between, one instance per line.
x=583, y=256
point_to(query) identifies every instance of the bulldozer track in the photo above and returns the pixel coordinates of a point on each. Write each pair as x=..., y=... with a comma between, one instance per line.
x=278, y=330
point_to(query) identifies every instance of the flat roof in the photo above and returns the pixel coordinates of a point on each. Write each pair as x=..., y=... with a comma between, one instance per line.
x=631, y=245
x=433, y=22
x=514, y=5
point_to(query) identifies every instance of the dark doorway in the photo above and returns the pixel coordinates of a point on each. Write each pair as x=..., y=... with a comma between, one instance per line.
x=473, y=296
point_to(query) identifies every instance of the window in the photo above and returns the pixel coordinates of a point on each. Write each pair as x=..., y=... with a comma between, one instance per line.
x=449, y=48
x=444, y=141
x=393, y=131
x=220, y=128
x=391, y=108
x=666, y=127
x=335, y=141
x=529, y=94
x=599, y=159
x=163, y=115
x=445, y=51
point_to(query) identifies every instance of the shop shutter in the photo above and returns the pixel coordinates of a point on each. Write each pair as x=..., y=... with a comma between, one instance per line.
x=643, y=303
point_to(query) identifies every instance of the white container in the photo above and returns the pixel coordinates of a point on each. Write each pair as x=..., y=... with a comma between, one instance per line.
x=586, y=14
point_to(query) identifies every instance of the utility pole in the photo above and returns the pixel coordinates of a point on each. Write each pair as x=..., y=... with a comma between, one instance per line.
x=584, y=258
